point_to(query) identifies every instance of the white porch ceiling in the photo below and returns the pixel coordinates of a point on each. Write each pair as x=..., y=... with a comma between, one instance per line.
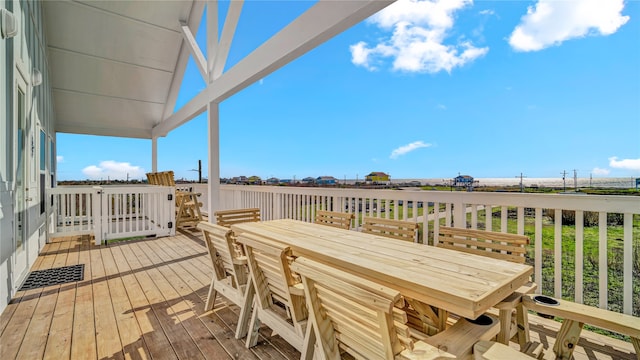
x=116, y=66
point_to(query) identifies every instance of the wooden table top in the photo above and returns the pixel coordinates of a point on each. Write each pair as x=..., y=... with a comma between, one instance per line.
x=461, y=283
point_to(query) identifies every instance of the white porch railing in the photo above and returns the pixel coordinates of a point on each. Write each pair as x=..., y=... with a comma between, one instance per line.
x=558, y=252
x=113, y=212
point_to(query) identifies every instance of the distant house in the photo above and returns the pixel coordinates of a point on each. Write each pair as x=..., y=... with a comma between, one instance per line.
x=465, y=181
x=239, y=180
x=377, y=178
x=308, y=180
x=462, y=180
x=326, y=180
x=273, y=181
x=254, y=180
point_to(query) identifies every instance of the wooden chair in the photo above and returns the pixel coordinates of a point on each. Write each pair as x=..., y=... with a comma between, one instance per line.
x=227, y=218
x=510, y=247
x=348, y=313
x=187, y=204
x=336, y=219
x=230, y=273
x=576, y=315
x=279, y=300
x=396, y=229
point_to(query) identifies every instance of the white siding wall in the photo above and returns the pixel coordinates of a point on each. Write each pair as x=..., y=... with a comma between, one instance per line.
x=26, y=51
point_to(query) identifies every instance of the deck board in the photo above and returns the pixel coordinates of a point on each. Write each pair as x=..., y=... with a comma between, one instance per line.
x=144, y=299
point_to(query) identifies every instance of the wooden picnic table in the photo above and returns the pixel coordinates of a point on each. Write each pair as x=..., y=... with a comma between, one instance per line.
x=461, y=283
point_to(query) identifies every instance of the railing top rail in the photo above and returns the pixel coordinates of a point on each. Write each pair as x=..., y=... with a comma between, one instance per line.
x=606, y=203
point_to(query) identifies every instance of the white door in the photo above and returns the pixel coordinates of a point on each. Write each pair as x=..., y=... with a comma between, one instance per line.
x=20, y=195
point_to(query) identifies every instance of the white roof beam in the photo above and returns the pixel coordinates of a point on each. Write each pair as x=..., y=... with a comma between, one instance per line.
x=212, y=36
x=318, y=24
x=195, y=50
x=230, y=24
x=183, y=57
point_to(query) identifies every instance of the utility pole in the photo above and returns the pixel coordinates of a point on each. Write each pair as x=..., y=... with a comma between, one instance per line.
x=564, y=181
x=199, y=170
x=575, y=180
x=521, y=183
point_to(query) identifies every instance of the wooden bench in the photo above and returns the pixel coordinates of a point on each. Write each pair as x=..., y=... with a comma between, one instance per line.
x=227, y=218
x=336, y=219
x=230, y=273
x=576, y=315
x=395, y=229
x=503, y=246
x=348, y=313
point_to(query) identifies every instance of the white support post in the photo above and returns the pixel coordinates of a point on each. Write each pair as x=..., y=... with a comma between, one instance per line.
x=214, y=160
x=154, y=154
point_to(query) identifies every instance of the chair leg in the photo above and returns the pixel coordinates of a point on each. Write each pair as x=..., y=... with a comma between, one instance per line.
x=245, y=311
x=211, y=297
x=567, y=339
x=505, y=326
x=309, y=343
x=254, y=326
x=522, y=322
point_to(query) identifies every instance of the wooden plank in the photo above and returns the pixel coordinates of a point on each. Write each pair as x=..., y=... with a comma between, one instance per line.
x=61, y=328
x=8, y=312
x=173, y=287
x=155, y=339
x=181, y=343
x=35, y=336
x=107, y=343
x=129, y=331
x=23, y=315
x=83, y=339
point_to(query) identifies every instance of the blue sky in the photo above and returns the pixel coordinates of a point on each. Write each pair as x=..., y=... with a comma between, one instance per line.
x=423, y=89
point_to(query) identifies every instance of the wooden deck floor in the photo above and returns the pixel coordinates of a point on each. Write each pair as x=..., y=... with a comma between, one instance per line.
x=144, y=299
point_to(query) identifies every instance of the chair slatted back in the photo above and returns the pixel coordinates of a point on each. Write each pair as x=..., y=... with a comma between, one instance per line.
x=352, y=314
x=396, y=229
x=227, y=218
x=269, y=265
x=336, y=219
x=222, y=248
x=510, y=247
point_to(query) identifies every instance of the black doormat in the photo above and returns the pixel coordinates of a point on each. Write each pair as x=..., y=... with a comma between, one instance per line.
x=55, y=276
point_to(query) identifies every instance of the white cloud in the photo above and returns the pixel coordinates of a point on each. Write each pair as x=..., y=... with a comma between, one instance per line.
x=59, y=158
x=487, y=12
x=113, y=170
x=408, y=148
x=419, y=28
x=599, y=171
x=626, y=164
x=552, y=22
